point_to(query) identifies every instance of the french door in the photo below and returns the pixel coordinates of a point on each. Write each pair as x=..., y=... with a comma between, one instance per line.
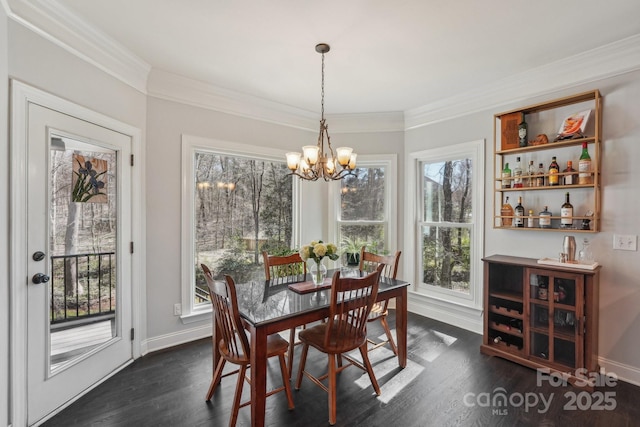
x=76, y=291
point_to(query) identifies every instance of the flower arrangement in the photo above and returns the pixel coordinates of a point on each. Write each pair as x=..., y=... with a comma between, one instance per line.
x=317, y=250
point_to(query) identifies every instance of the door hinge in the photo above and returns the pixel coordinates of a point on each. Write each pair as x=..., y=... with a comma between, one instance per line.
x=131, y=247
x=132, y=334
x=132, y=160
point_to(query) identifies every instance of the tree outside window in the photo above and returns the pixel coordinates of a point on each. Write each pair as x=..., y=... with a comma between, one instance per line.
x=242, y=207
x=447, y=223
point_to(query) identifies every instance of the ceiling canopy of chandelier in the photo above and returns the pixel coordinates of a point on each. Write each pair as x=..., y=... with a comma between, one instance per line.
x=315, y=162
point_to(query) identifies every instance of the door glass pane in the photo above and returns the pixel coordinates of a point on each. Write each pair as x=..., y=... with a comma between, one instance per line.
x=540, y=345
x=83, y=232
x=564, y=352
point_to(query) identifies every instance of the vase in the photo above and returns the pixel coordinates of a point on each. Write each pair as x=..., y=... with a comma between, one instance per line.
x=318, y=272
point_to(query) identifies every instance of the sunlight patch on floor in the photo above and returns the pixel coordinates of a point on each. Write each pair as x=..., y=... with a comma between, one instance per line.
x=384, y=363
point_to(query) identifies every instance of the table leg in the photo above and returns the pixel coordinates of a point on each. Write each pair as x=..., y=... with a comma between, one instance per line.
x=258, y=376
x=401, y=327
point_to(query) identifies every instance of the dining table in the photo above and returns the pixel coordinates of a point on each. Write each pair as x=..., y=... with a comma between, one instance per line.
x=268, y=307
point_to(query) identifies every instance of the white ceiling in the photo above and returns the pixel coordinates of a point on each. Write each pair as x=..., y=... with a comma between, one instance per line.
x=385, y=56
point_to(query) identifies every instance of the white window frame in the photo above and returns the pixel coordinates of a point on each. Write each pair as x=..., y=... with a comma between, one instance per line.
x=414, y=215
x=192, y=312
x=390, y=223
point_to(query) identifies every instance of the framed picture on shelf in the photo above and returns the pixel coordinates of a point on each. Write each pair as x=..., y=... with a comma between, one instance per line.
x=509, y=130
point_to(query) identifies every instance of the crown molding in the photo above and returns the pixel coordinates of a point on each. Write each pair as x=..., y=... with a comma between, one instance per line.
x=54, y=22
x=616, y=58
x=164, y=85
x=173, y=87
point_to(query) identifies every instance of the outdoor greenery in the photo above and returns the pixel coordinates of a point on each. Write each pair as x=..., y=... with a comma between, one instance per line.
x=362, y=211
x=243, y=206
x=78, y=226
x=447, y=200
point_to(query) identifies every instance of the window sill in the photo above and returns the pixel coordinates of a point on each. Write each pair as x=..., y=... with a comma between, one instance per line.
x=196, y=316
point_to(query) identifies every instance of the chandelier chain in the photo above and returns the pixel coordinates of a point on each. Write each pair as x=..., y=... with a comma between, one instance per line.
x=322, y=91
x=315, y=162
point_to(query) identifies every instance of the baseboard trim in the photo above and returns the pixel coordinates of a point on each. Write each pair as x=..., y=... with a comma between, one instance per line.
x=170, y=340
x=626, y=373
x=463, y=317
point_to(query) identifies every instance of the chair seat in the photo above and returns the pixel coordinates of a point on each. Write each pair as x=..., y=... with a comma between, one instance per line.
x=314, y=336
x=275, y=345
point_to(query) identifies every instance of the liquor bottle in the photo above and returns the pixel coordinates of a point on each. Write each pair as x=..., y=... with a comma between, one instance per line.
x=545, y=218
x=543, y=290
x=540, y=176
x=519, y=214
x=554, y=169
x=584, y=167
x=515, y=324
x=517, y=174
x=566, y=213
x=506, y=210
x=497, y=339
x=531, y=171
x=530, y=222
x=522, y=133
x=571, y=177
x=506, y=176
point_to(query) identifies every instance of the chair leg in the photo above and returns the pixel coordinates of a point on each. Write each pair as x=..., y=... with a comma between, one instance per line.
x=387, y=331
x=332, y=388
x=216, y=378
x=292, y=347
x=367, y=364
x=236, y=399
x=285, y=380
x=303, y=361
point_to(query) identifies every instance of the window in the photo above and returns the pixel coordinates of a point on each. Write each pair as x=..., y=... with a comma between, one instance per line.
x=238, y=202
x=448, y=225
x=363, y=206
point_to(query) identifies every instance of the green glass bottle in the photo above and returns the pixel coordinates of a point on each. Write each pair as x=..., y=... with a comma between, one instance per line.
x=506, y=176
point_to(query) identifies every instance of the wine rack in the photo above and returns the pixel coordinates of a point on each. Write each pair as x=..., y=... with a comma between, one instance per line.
x=546, y=118
x=556, y=328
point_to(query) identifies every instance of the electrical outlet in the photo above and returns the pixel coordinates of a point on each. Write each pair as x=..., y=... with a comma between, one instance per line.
x=177, y=309
x=625, y=242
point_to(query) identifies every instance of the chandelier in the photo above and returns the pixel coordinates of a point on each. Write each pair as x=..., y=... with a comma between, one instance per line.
x=315, y=162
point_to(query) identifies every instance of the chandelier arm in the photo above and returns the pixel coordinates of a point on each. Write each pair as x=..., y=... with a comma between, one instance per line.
x=305, y=177
x=326, y=163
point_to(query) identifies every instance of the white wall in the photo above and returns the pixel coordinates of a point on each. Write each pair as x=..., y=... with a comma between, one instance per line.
x=166, y=122
x=4, y=221
x=40, y=63
x=32, y=59
x=619, y=331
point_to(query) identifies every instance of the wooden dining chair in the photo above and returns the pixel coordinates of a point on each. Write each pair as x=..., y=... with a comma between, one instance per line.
x=283, y=269
x=234, y=345
x=344, y=331
x=369, y=262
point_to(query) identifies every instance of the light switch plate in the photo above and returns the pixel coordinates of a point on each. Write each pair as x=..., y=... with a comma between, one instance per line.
x=625, y=242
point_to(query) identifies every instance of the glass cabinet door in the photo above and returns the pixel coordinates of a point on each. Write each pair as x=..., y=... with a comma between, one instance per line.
x=555, y=316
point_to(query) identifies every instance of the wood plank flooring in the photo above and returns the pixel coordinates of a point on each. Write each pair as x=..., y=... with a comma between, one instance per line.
x=447, y=382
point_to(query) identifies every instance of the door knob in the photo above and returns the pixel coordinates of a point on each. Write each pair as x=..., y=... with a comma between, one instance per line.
x=39, y=278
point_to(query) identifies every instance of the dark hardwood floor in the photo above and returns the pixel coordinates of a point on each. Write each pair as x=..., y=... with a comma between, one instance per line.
x=447, y=382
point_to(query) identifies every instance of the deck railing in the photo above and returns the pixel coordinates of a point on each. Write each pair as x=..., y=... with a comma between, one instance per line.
x=83, y=287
